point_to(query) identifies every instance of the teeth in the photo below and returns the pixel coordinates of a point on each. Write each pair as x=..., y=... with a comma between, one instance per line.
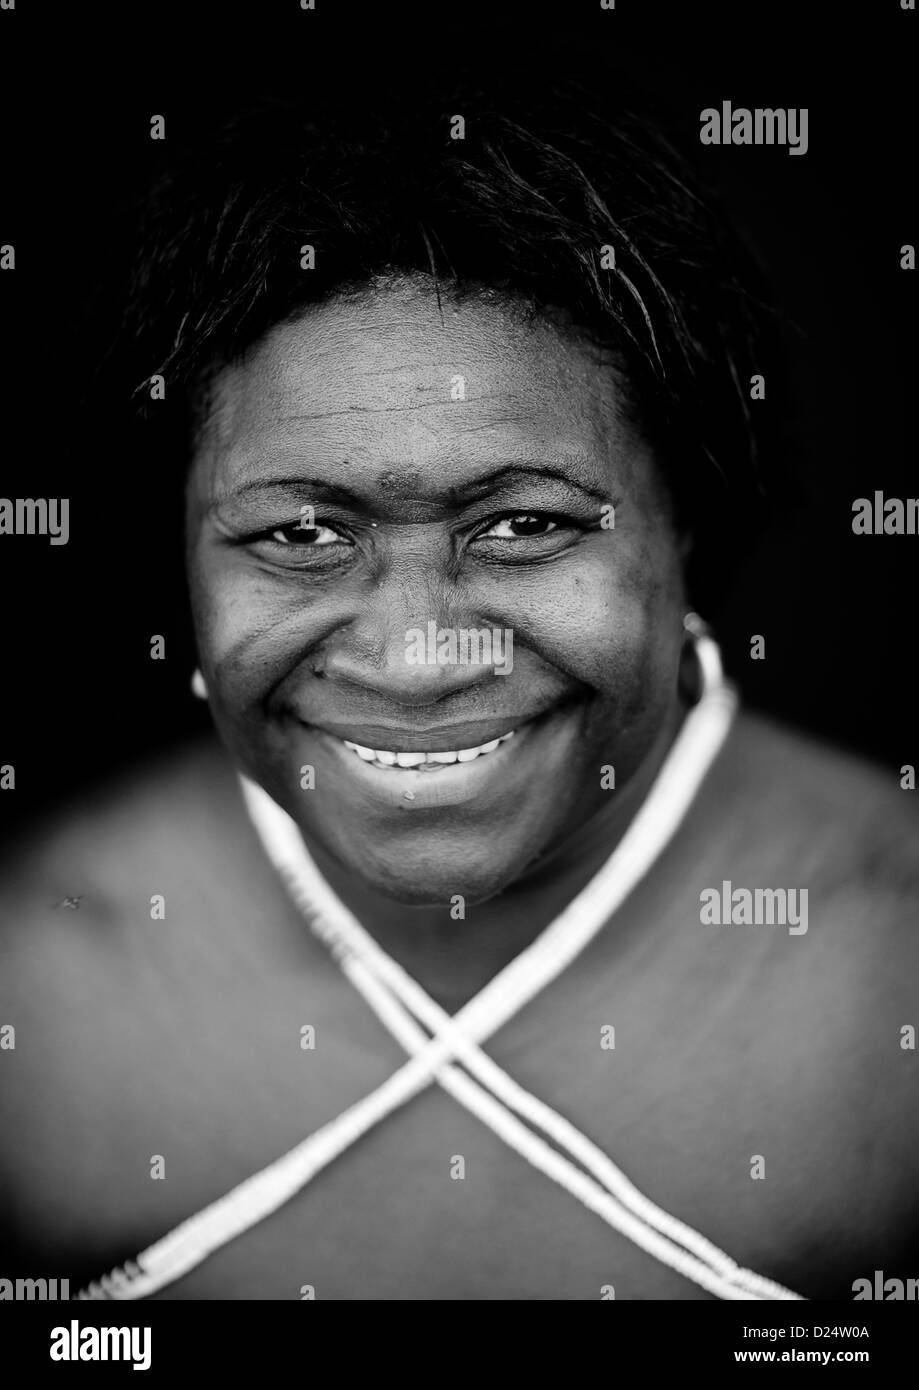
x=382, y=757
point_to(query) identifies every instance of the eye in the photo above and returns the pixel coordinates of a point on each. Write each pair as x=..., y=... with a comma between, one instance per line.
x=521, y=526
x=318, y=546
x=295, y=534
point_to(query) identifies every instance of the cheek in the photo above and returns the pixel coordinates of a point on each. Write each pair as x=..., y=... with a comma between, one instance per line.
x=245, y=624
x=610, y=616
x=641, y=623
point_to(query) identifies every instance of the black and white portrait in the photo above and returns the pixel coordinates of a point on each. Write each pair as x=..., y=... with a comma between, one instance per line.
x=459, y=749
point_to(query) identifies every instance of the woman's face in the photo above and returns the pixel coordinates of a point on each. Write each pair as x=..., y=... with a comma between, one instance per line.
x=383, y=490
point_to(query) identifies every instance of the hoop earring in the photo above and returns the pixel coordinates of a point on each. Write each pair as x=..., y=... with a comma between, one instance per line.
x=198, y=688
x=691, y=676
x=695, y=625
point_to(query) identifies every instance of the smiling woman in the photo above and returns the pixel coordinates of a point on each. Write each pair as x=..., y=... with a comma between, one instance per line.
x=497, y=525
x=478, y=388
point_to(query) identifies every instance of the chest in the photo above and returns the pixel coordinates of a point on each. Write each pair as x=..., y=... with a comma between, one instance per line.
x=431, y=1204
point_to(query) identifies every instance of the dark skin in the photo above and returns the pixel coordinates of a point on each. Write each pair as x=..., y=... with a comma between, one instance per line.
x=480, y=513
x=181, y=1038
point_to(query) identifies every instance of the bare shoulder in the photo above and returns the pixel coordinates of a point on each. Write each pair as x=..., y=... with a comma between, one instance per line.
x=152, y=970
x=165, y=844
x=103, y=911
x=843, y=991
x=162, y=814
x=832, y=816
x=839, y=836
x=842, y=832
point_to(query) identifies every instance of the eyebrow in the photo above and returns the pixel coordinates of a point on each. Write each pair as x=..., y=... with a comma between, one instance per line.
x=459, y=495
x=477, y=487
x=316, y=487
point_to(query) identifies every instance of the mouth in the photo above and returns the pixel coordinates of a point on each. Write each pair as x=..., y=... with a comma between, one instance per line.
x=436, y=768
x=434, y=761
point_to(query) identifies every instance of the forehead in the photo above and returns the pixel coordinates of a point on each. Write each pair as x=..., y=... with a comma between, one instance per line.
x=400, y=384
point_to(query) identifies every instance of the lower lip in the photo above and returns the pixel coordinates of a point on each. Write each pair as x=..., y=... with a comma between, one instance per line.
x=452, y=784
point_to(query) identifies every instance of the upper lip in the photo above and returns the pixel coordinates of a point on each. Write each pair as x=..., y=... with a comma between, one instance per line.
x=439, y=738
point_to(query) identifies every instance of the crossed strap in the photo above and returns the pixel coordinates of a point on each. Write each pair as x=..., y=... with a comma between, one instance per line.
x=449, y=1053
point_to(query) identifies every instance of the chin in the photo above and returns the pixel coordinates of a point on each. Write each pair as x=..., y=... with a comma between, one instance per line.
x=434, y=884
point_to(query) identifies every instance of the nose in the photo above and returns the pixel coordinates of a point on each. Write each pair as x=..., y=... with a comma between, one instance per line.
x=406, y=645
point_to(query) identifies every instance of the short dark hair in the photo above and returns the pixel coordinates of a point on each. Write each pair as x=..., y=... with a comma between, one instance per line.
x=523, y=204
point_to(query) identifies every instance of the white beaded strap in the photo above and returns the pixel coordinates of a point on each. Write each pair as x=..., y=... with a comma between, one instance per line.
x=382, y=981
x=349, y=940
x=383, y=998
x=727, y=1281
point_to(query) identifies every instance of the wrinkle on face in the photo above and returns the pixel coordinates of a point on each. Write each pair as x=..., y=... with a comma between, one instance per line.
x=355, y=398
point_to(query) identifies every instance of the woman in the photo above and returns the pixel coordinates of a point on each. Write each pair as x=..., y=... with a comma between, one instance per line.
x=450, y=381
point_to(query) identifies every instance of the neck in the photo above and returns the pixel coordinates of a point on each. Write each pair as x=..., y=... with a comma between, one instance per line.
x=451, y=959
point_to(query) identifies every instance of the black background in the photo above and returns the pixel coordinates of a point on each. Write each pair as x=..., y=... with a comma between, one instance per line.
x=81, y=696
